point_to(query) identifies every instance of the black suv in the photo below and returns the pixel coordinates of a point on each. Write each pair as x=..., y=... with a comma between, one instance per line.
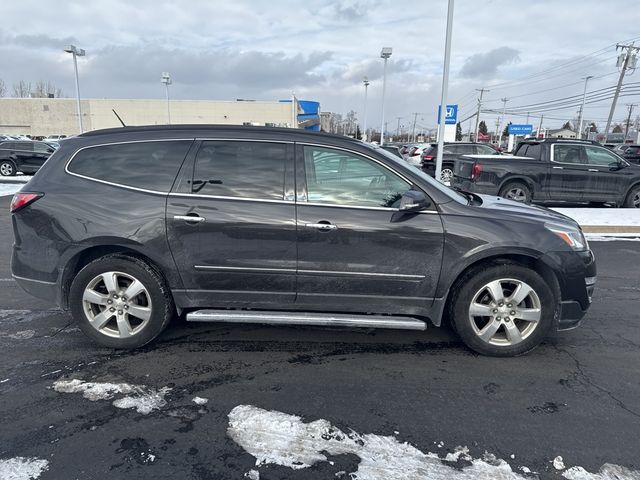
x=23, y=156
x=449, y=154
x=128, y=227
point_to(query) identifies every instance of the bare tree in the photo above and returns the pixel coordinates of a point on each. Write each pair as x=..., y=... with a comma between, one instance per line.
x=46, y=89
x=22, y=89
x=3, y=88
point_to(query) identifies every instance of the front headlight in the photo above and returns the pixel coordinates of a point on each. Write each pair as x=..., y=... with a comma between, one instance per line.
x=571, y=236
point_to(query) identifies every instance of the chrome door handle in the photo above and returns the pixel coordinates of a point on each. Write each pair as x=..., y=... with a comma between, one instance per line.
x=559, y=168
x=189, y=218
x=321, y=226
x=594, y=170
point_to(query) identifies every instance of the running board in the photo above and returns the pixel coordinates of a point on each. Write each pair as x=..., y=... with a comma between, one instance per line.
x=302, y=318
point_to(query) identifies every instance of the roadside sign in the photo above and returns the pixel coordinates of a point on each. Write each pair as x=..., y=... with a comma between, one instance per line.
x=452, y=114
x=520, y=129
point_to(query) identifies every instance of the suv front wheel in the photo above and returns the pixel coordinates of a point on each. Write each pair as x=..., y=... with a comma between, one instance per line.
x=504, y=310
x=120, y=301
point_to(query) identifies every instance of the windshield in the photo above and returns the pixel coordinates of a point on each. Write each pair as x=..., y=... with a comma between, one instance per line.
x=417, y=171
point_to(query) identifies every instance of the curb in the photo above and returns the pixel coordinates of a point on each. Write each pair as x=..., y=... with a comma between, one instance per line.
x=623, y=229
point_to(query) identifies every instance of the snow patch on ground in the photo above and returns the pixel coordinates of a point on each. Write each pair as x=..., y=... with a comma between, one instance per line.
x=603, y=216
x=607, y=472
x=614, y=237
x=144, y=399
x=199, y=400
x=558, y=463
x=9, y=188
x=282, y=439
x=21, y=468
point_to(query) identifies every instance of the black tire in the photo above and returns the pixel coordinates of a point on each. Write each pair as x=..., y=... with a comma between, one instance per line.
x=8, y=168
x=160, y=300
x=633, y=198
x=512, y=189
x=472, y=283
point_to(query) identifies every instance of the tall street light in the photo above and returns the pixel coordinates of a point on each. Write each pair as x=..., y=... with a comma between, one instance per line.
x=443, y=97
x=77, y=52
x=365, y=82
x=384, y=53
x=166, y=79
x=584, y=97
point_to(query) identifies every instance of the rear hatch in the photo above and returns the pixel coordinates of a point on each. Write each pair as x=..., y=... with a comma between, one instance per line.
x=463, y=166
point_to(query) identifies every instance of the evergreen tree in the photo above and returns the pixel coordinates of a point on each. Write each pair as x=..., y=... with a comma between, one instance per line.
x=482, y=128
x=617, y=128
x=458, y=132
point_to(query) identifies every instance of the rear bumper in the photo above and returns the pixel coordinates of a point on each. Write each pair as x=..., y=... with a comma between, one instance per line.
x=40, y=289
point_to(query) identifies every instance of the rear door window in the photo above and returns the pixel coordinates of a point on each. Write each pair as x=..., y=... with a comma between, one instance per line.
x=568, y=154
x=240, y=169
x=147, y=165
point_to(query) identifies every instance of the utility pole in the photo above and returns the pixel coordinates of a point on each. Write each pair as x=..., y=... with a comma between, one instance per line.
x=584, y=97
x=540, y=126
x=415, y=118
x=527, y=122
x=398, y=128
x=627, y=59
x=385, y=53
x=365, y=81
x=497, y=140
x=626, y=130
x=501, y=120
x=481, y=90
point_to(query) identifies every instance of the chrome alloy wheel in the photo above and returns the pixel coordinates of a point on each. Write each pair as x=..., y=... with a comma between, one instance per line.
x=636, y=200
x=117, y=304
x=505, y=312
x=446, y=175
x=6, y=169
x=516, y=194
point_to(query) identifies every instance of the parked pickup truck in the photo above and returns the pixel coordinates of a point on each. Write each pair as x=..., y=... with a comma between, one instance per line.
x=552, y=170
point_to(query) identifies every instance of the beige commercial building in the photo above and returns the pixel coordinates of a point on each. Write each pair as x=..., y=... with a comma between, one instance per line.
x=51, y=116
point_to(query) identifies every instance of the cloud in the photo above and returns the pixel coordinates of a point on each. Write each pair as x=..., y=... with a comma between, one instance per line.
x=485, y=65
x=374, y=68
x=37, y=41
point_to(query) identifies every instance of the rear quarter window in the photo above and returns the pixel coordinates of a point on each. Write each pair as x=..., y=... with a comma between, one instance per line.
x=146, y=165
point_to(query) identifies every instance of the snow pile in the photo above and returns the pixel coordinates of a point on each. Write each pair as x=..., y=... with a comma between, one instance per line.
x=282, y=439
x=144, y=399
x=9, y=188
x=603, y=216
x=20, y=468
x=607, y=472
x=199, y=400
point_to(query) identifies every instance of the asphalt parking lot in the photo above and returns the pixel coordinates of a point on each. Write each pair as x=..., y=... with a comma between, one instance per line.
x=576, y=396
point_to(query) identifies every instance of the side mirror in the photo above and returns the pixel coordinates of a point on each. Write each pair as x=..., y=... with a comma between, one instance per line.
x=614, y=166
x=414, y=201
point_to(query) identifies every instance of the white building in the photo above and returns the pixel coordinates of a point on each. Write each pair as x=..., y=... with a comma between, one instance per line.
x=48, y=116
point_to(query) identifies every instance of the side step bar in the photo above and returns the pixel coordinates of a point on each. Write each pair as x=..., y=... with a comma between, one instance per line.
x=303, y=318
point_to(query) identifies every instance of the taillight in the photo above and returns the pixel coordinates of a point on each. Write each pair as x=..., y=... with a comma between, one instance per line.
x=426, y=156
x=476, y=170
x=22, y=199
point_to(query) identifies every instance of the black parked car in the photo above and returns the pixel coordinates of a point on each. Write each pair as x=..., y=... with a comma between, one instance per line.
x=127, y=227
x=450, y=153
x=632, y=153
x=23, y=156
x=553, y=170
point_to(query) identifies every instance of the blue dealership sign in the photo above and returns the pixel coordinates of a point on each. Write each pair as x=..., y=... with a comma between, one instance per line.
x=452, y=114
x=523, y=129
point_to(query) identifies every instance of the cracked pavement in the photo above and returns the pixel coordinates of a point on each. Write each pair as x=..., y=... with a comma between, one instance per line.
x=578, y=395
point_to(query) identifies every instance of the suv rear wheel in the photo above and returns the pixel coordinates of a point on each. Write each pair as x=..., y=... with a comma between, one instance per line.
x=504, y=310
x=120, y=301
x=7, y=168
x=633, y=198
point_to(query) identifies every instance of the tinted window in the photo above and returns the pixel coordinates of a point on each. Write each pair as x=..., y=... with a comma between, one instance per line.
x=24, y=146
x=600, y=156
x=43, y=148
x=533, y=150
x=485, y=150
x=148, y=165
x=240, y=169
x=567, y=153
x=341, y=178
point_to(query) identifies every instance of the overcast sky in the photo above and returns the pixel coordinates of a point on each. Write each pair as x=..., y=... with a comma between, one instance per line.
x=264, y=50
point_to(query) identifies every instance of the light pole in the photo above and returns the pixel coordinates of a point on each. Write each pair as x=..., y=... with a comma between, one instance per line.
x=384, y=53
x=365, y=82
x=445, y=86
x=584, y=97
x=166, y=79
x=77, y=52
